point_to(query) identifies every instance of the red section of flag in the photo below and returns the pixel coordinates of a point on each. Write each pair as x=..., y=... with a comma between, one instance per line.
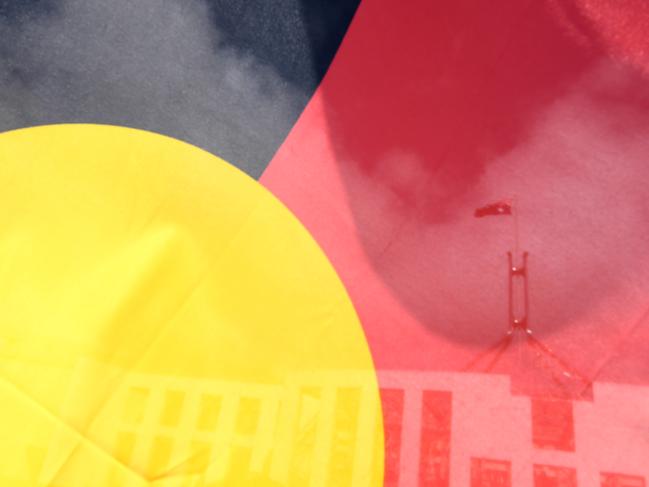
x=498, y=208
x=428, y=108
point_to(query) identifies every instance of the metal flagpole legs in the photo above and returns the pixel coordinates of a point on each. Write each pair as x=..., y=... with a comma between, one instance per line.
x=518, y=303
x=518, y=295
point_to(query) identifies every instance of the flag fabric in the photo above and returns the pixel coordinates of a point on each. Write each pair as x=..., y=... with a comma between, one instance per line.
x=498, y=208
x=427, y=107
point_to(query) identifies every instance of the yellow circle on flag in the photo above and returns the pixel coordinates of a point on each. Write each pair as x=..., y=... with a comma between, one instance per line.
x=165, y=321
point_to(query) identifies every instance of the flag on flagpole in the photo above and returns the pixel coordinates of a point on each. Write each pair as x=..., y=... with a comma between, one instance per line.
x=503, y=207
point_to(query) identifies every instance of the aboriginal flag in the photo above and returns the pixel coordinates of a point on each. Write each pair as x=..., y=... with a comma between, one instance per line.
x=382, y=125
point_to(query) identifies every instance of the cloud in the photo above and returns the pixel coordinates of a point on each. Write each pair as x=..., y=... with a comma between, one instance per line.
x=580, y=175
x=584, y=201
x=153, y=64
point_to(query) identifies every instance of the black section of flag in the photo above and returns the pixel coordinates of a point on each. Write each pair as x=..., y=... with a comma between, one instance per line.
x=229, y=76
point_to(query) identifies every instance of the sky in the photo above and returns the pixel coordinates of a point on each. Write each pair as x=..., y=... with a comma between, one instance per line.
x=229, y=77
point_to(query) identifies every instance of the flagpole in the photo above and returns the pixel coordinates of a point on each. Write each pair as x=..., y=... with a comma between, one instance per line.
x=516, y=232
x=517, y=269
